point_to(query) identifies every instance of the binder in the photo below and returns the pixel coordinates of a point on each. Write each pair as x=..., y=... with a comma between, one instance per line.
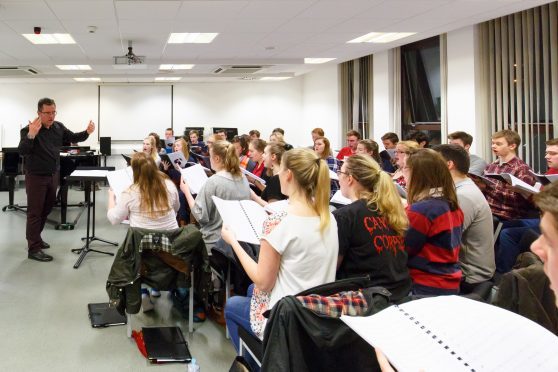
x=102, y=315
x=165, y=344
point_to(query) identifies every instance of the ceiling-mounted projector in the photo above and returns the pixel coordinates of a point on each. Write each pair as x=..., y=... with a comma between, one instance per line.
x=129, y=60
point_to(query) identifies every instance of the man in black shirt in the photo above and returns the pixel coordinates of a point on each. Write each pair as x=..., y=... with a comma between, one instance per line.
x=40, y=145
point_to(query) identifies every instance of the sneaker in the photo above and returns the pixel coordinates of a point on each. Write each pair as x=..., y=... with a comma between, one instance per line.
x=155, y=293
x=146, y=303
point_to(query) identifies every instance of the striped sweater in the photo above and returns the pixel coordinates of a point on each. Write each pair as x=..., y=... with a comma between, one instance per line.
x=432, y=243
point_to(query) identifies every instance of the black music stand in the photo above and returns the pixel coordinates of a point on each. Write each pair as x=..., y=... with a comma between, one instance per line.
x=89, y=182
x=12, y=169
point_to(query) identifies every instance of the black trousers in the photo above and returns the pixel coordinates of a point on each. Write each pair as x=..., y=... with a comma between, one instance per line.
x=41, y=196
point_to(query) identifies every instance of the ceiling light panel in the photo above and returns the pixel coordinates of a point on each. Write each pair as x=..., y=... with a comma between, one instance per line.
x=275, y=78
x=175, y=67
x=317, y=60
x=167, y=78
x=381, y=37
x=192, y=37
x=74, y=67
x=50, y=38
x=88, y=79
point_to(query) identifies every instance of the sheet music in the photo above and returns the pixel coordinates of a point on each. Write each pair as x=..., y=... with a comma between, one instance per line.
x=514, y=181
x=338, y=198
x=120, y=180
x=178, y=158
x=195, y=177
x=485, y=337
x=89, y=173
x=247, y=173
x=333, y=175
x=245, y=217
x=277, y=206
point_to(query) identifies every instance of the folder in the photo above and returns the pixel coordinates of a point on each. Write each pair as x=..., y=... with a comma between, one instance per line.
x=165, y=344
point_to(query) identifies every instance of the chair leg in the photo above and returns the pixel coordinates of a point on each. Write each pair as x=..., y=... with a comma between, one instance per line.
x=191, y=310
x=129, y=325
x=227, y=295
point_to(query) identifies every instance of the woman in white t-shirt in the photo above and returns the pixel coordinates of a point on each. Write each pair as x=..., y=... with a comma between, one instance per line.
x=299, y=246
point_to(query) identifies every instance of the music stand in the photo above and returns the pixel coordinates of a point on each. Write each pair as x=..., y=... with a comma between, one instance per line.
x=90, y=178
x=12, y=170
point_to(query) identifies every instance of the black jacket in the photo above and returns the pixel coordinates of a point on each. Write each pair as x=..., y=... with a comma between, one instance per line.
x=131, y=266
x=297, y=339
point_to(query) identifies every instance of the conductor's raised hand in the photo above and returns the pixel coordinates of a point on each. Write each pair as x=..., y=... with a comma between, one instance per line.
x=90, y=127
x=34, y=127
x=228, y=234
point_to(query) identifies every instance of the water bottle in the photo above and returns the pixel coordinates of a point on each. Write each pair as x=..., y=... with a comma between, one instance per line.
x=193, y=366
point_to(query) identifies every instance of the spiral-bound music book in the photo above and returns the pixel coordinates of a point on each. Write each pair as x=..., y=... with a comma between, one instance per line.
x=245, y=217
x=452, y=333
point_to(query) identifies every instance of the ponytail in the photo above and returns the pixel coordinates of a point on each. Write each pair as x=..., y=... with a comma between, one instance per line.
x=378, y=192
x=226, y=151
x=321, y=194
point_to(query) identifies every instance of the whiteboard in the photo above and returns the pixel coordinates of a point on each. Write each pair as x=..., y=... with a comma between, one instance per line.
x=130, y=113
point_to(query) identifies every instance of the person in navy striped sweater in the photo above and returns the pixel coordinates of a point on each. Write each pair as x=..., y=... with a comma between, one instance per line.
x=433, y=239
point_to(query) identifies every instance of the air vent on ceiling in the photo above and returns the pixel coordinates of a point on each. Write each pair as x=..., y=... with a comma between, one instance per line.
x=238, y=69
x=9, y=71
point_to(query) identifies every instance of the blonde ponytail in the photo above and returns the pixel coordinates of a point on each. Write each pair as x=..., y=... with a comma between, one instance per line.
x=321, y=194
x=226, y=151
x=379, y=192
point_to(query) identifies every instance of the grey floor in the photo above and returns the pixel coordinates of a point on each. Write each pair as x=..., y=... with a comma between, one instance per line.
x=44, y=323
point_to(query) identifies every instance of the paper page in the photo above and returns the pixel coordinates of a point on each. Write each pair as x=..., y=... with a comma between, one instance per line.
x=338, y=198
x=120, y=180
x=195, y=177
x=235, y=217
x=89, y=173
x=178, y=159
x=544, y=179
x=486, y=337
x=277, y=206
x=259, y=179
x=256, y=214
x=333, y=175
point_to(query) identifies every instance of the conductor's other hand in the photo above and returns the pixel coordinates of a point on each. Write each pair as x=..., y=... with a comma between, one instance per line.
x=34, y=127
x=90, y=127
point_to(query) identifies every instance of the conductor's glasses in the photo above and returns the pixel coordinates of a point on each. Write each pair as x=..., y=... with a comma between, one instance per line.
x=53, y=113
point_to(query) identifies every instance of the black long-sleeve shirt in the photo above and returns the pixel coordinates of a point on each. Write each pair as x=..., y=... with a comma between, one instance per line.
x=42, y=154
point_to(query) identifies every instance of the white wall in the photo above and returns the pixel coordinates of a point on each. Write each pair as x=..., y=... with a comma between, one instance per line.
x=246, y=106
x=320, y=105
x=76, y=104
x=462, y=100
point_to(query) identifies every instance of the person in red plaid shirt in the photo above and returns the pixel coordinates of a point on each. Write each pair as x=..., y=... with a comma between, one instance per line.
x=504, y=202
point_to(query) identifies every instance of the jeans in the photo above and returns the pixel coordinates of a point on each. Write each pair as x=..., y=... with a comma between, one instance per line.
x=237, y=314
x=509, y=246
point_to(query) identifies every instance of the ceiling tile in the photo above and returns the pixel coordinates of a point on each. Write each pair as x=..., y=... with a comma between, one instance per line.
x=83, y=10
x=147, y=10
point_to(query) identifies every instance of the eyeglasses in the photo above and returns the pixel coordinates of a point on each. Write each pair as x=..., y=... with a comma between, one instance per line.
x=53, y=113
x=345, y=173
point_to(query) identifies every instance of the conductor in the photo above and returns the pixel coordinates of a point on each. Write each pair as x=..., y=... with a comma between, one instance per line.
x=40, y=145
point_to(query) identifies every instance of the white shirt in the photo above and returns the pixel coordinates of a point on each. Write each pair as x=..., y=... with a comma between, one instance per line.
x=129, y=206
x=308, y=257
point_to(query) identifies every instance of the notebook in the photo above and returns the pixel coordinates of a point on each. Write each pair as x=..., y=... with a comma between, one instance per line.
x=545, y=179
x=195, y=177
x=514, y=181
x=120, y=180
x=250, y=174
x=177, y=158
x=101, y=315
x=452, y=333
x=165, y=344
x=245, y=218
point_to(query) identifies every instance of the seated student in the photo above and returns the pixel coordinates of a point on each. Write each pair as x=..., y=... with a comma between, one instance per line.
x=322, y=148
x=173, y=171
x=465, y=140
x=316, y=132
x=254, y=134
x=298, y=250
x=419, y=137
x=150, y=148
x=278, y=137
x=272, y=159
x=371, y=229
x=160, y=149
x=220, y=135
x=402, y=151
x=150, y=203
x=389, y=140
x=546, y=246
x=169, y=140
x=257, y=148
x=477, y=247
x=228, y=183
x=196, y=145
x=241, y=146
x=352, y=141
x=516, y=239
x=371, y=148
x=435, y=225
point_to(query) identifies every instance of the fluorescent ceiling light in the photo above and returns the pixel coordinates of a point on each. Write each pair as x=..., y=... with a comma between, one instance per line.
x=74, y=67
x=50, y=38
x=191, y=37
x=82, y=79
x=381, y=37
x=317, y=60
x=167, y=78
x=176, y=67
x=275, y=78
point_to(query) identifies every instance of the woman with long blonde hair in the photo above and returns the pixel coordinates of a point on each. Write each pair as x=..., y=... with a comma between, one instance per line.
x=150, y=148
x=299, y=246
x=372, y=228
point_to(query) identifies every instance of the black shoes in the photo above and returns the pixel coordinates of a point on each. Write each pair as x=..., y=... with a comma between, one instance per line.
x=39, y=256
x=46, y=245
